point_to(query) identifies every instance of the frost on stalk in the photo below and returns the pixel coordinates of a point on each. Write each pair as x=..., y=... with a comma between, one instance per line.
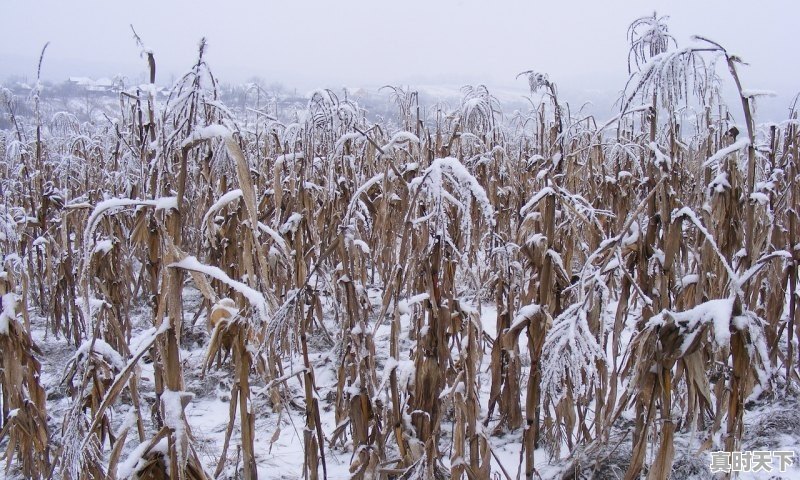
x=671, y=75
x=8, y=312
x=8, y=227
x=206, y=133
x=173, y=405
x=254, y=297
x=431, y=185
x=81, y=452
x=478, y=109
x=221, y=202
x=648, y=36
x=716, y=316
x=536, y=80
x=570, y=356
x=102, y=208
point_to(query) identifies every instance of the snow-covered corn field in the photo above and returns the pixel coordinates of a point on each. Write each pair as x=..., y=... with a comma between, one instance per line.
x=192, y=290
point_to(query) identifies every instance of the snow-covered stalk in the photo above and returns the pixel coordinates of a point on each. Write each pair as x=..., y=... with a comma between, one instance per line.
x=24, y=407
x=431, y=358
x=505, y=365
x=313, y=438
x=243, y=362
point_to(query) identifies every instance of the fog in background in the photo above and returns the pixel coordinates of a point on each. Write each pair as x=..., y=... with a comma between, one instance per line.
x=307, y=44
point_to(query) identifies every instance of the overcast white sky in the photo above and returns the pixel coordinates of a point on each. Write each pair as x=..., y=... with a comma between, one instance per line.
x=333, y=43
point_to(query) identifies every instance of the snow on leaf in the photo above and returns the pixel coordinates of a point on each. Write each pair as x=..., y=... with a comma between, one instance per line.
x=401, y=137
x=291, y=223
x=467, y=181
x=362, y=189
x=221, y=203
x=723, y=152
x=715, y=312
x=131, y=465
x=255, y=298
x=173, y=405
x=759, y=198
x=404, y=306
x=103, y=246
x=688, y=213
x=662, y=160
x=279, y=241
x=536, y=199
x=720, y=183
x=100, y=347
x=525, y=314
x=751, y=93
x=206, y=133
x=570, y=353
x=115, y=203
x=9, y=312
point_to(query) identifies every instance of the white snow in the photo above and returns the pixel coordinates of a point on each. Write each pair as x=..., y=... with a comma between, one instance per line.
x=571, y=352
x=401, y=137
x=662, y=160
x=357, y=194
x=720, y=183
x=9, y=312
x=350, y=136
x=632, y=236
x=467, y=180
x=525, y=314
x=221, y=202
x=255, y=298
x=279, y=241
x=206, y=133
x=723, y=152
x=404, y=306
x=689, y=279
x=40, y=241
x=165, y=203
x=173, y=404
x=291, y=224
x=103, y=246
x=751, y=93
x=759, y=198
x=99, y=346
x=716, y=312
x=688, y=213
x=130, y=466
x=281, y=159
x=106, y=205
x=536, y=199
